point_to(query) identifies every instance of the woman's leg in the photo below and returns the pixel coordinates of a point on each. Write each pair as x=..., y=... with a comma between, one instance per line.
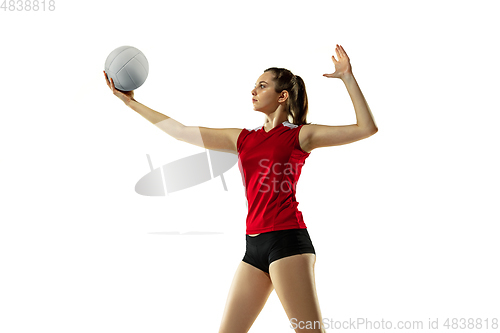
x=294, y=282
x=248, y=294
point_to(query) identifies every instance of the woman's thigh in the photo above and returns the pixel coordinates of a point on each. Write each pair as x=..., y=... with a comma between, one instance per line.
x=247, y=296
x=294, y=281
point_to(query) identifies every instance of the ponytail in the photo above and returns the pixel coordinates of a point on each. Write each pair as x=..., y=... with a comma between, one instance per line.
x=297, y=105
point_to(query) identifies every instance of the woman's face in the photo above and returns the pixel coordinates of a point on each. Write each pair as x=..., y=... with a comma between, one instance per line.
x=264, y=97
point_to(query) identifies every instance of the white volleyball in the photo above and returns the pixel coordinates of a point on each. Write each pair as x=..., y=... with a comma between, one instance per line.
x=128, y=67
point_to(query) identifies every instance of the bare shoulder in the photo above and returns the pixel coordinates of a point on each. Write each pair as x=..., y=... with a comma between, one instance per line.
x=305, y=137
x=233, y=134
x=316, y=136
x=222, y=139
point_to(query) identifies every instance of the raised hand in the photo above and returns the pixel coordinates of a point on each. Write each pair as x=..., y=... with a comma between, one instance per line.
x=125, y=96
x=342, y=66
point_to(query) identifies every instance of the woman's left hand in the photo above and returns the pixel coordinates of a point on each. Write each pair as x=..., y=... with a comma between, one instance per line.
x=342, y=66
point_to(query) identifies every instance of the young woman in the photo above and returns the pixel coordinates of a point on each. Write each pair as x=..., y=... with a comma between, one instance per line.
x=279, y=252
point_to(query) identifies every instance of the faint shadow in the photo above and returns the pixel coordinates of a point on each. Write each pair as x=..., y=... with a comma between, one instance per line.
x=189, y=233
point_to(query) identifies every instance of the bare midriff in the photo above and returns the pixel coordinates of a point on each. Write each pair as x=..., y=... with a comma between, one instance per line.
x=253, y=235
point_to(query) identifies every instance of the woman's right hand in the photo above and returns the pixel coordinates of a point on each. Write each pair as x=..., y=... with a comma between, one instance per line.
x=125, y=96
x=342, y=66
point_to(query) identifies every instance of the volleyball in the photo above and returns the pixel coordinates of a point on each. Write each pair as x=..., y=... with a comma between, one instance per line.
x=128, y=67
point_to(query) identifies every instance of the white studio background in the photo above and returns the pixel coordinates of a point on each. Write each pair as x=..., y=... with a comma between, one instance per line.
x=405, y=223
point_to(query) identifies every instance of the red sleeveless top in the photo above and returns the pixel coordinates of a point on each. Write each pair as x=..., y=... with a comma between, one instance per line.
x=270, y=164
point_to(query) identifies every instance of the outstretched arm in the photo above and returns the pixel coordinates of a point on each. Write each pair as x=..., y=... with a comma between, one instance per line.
x=316, y=136
x=220, y=139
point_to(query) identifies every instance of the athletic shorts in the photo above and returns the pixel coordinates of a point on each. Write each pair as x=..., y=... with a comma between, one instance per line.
x=267, y=247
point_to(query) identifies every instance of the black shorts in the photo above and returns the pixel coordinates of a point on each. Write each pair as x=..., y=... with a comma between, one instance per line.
x=267, y=247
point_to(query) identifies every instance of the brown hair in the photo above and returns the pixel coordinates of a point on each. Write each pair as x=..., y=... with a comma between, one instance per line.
x=297, y=105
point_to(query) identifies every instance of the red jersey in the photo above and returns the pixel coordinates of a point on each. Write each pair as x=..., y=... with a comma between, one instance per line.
x=270, y=164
